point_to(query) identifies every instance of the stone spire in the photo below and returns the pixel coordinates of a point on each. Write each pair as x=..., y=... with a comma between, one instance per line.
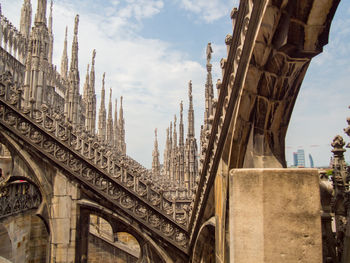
x=40, y=16
x=50, y=36
x=86, y=88
x=174, y=167
x=102, y=113
x=181, y=126
x=209, y=92
x=74, y=80
x=175, y=134
x=26, y=18
x=92, y=96
x=181, y=150
x=116, y=126
x=155, y=160
x=166, y=164
x=191, y=159
x=122, y=143
x=170, y=152
x=92, y=72
x=35, y=82
x=190, y=132
x=64, y=60
x=110, y=132
x=75, y=48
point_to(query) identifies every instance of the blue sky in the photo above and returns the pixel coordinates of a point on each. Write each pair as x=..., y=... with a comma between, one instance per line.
x=150, y=49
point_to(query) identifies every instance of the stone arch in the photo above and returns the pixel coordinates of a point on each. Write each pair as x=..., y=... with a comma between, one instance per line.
x=150, y=251
x=204, y=247
x=35, y=175
x=38, y=175
x=112, y=246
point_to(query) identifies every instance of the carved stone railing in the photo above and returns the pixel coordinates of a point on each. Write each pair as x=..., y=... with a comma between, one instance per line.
x=230, y=66
x=106, y=173
x=17, y=197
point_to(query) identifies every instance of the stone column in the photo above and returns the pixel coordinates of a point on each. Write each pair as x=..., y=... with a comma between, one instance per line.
x=274, y=216
x=63, y=217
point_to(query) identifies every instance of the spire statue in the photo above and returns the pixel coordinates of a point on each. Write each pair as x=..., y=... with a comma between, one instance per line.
x=26, y=18
x=40, y=16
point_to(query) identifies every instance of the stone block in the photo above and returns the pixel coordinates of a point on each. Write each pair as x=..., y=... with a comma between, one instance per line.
x=61, y=207
x=60, y=184
x=274, y=216
x=61, y=230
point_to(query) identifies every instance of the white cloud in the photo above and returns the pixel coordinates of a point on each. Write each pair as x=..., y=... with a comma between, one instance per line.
x=208, y=10
x=151, y=75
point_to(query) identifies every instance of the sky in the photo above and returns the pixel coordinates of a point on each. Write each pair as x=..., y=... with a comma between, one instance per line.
x=150, y=49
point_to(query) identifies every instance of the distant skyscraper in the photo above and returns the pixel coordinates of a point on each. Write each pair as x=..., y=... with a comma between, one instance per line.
x=299, y=158
x=295, y=159
x=311, y=161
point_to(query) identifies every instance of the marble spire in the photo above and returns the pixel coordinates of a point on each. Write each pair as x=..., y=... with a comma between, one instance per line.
x=26, y=18
x=155, y=159
x=64, y=60
x=110, y=132
x=102, y=113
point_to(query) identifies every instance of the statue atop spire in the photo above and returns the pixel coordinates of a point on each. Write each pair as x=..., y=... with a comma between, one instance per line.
x=209, y=51
x=76, y=24
x=40, y=16
x=26, y=18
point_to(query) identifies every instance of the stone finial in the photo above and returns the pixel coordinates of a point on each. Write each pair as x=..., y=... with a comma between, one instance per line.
x=93, y=56
x=50, y=18
x=209, y=52
x=190, y=132
x=76, y=24
x=40, y=16
x=338, y=144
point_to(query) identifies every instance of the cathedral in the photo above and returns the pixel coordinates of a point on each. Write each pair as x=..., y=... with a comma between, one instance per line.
x=70, y=193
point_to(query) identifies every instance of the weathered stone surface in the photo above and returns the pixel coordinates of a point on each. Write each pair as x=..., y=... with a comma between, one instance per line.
x=274, y=216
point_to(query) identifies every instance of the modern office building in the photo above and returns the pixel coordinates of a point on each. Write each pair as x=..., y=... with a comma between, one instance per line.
x=311, y=161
